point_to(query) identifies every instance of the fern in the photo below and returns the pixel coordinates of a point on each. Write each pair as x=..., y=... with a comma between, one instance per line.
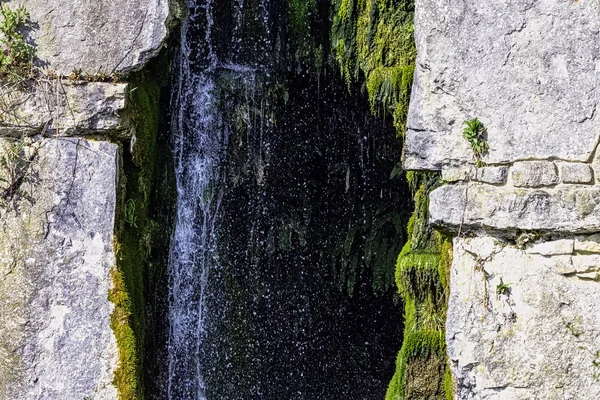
x=475, y=135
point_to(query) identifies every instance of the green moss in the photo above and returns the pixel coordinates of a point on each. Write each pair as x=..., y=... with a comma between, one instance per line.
x=422, y=277
x=133, y=241
x=374, y=39
x=423, y=345
x=449, y=384
x=127, y=375
x=301, y=14
x=445, y=260
x=417, y=272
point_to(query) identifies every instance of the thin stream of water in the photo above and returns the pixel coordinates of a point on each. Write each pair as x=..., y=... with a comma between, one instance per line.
x=200, y=140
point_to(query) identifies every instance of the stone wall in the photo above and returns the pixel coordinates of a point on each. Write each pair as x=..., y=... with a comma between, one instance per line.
x=522, y=320
x=61, y=185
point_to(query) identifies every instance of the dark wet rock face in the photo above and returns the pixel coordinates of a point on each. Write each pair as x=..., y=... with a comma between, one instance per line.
x=305, y=221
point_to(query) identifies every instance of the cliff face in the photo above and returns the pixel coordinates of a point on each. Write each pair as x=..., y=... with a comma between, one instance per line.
x=66, y=323
x=521, y=318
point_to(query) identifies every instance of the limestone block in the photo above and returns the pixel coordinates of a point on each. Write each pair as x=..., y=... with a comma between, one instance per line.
x=456, y=174
x=56, y=251
x=592, y=276
x=536, y=338
x=586, y=263
x=63, y=108
x=96, y=36
x=534, y=174
x=576, y=173
x=566, y=209
x=552, y=247
x=590, y=244
x=526, y=69
x=492, y=175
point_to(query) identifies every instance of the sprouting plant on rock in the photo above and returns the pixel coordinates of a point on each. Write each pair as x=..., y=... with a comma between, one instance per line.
x=502, y=289
x=596, y=365
x=475, y=135
x=15, y=160
x=575, y=327
x=16, y=55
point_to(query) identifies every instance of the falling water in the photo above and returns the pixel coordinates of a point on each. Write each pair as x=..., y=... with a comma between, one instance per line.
x=200, y=140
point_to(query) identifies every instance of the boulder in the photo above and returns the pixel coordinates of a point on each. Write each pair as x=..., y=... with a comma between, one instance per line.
x=96, y=36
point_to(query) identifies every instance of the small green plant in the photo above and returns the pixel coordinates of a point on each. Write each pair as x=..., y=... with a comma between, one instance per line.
x=596, y=365
x=475, y=135
x=526, y=238
x=76, y=75
x=15, y=160
x=16, y=55
x=575, y=326
x=130, y=216
x=502, y=289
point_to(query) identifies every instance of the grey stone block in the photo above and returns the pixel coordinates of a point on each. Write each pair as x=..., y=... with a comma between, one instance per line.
x=526, y=69
x=566, y=209
x=576, y=173
x=62, y=108
x=530, y=342
x=552, y=247
x=56, y=253
x=492, y=175
x=96, y=36
x=456, y=174
x=534, y=174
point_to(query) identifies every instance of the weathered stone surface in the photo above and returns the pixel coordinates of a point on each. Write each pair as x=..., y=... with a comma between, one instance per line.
x=456, y=174
x=576, y=173
x=552, y=247
x=596, y=166
x=56, y=250
x=590, y=244
x=538, y=339
x=491, y=175
x=96, y=36
x=63, y=108
x=526, y=69
x=568, y=209
x=534, y=174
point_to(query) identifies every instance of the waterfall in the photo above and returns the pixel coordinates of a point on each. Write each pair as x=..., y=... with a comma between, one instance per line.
x=280, y=214
x=198, y=143
x=200, y=140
